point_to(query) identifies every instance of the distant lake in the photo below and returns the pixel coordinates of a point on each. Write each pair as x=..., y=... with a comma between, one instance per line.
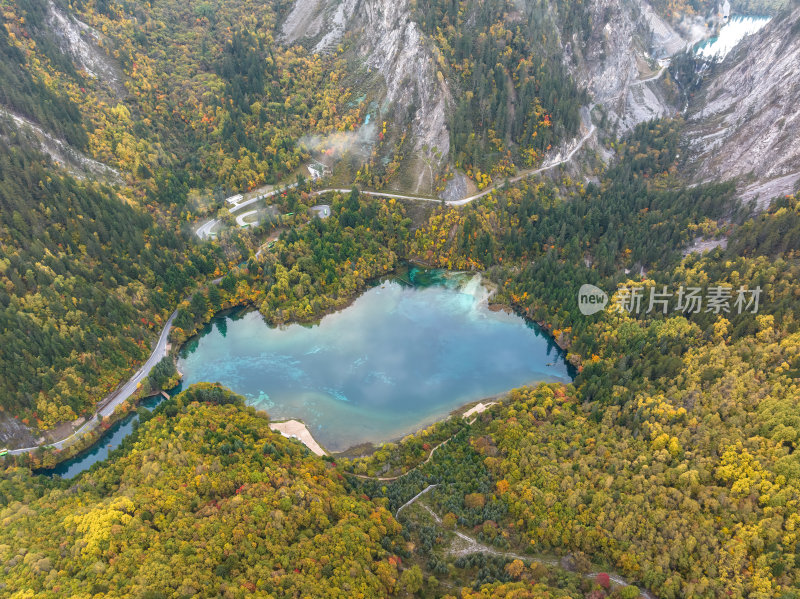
x=404, y=354
x=735, y=30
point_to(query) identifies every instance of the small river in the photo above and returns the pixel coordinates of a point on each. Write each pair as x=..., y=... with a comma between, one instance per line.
x=406, y=353
x=108, y=442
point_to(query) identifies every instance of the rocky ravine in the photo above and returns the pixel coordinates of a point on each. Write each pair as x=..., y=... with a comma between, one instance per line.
x=391, y=42
x=628, y=42
x=623, y=47
x=746, y=122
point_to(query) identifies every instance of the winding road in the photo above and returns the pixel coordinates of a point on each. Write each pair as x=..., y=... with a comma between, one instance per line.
x=110, y=403
x=113, y=400
x=205, y=229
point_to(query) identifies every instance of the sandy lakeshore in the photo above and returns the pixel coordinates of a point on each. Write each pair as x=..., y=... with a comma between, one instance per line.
x=478, y=409
x=298, y=430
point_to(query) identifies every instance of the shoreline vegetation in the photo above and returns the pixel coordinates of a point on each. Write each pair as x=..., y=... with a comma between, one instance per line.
x=46, y=458
x=212, y=412
x=247, y=283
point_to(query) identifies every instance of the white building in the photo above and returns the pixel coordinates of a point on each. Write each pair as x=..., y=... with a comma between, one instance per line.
x=234, y=200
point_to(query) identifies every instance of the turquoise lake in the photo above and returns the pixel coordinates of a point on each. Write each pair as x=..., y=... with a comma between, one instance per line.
x=406, y=353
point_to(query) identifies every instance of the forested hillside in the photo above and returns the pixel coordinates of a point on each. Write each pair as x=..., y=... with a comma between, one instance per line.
x=88, y=281
x=515, y=98
x=669, y=463
x=205, y=96
x=672, y=458
x=204, y=501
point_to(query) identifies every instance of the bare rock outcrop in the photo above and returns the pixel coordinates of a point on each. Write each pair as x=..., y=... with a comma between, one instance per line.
x=746, y=122
x=620, y=60
x=83, y=44
x=391, y=42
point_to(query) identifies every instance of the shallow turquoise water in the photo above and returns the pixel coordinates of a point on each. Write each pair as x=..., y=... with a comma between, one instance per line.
x=734, y=31
x=404, y=354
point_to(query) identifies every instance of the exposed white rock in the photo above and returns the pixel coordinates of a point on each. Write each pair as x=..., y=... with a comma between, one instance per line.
x=665, y=41
x=746, y=123
x=305, y=20
x=390, y=42
x=82, y=43
x=616, y=64
x=59, y=150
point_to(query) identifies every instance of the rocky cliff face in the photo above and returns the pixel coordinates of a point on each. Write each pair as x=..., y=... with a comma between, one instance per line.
x=621, y=60
x=616, y=61
x=83, y=44
x=745, y=123
x=389, y=41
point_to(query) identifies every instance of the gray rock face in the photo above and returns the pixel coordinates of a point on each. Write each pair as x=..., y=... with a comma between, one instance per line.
x=77, y=163
x=14, y=434
x=619, y=62
x=746, y=122
x=391, y=42
x=81, y=42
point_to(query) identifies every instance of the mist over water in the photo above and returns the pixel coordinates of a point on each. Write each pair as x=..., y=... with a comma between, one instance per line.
x=401, y=356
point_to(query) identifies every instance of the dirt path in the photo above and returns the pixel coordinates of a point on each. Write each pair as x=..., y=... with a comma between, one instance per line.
x=420, y=465
x=467, y=545
x=413, y=499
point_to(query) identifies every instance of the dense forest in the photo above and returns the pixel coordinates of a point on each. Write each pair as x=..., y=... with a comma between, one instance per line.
x=672, y=457
x=88, y=279
x=204, y=500
x=515, y=98
x=192, y=96
x=314, y=267
x=670, y=460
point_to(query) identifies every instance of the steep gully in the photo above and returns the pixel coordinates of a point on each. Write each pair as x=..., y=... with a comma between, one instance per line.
x=206, y=228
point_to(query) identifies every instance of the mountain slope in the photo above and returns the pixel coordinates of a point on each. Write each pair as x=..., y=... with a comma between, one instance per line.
x=206, y=502
x=618, y=52
x=388, y=40
x=745, y=123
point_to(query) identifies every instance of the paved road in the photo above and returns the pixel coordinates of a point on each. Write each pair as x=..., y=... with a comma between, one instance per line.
x=240, y=219
x=262, y=196
x=113, y=400
x=206, y=227
x=205, y=230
